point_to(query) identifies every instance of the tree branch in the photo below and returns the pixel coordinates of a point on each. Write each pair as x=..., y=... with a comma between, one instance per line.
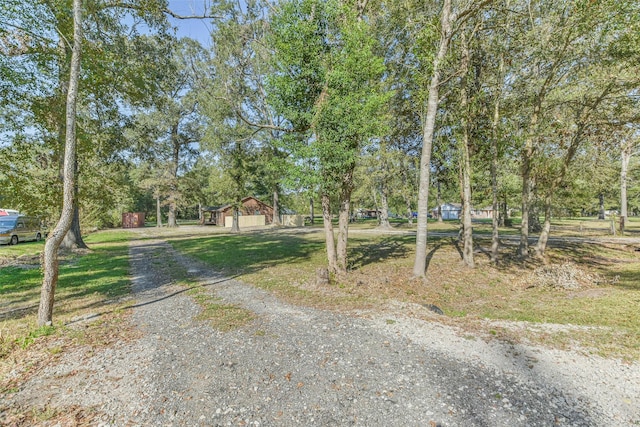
x=164, y=10
x=262, y=125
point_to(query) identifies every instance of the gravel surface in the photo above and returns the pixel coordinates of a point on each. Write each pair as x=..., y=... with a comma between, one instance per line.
x=295, y=366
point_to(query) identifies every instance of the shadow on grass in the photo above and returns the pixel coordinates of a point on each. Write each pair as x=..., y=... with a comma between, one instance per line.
x=431, y=253
x=372, y=252
x=102, y=273
x=247, y=253
x=154, y=301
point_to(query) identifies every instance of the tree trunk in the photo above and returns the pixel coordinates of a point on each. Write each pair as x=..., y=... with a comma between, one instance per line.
x=495, y=158
x=601, y=214
x=158, y=212
x=171, y=218
x=420, y=263
x=467, y=228
x=505, y=212
x=439, y=202
x=577, y=138
x=534, y=219
x=374, y=193
x=343, y=235
x=50, y=254
x=276, y=208
x=626, y=157
x=235, y=226
x=73, y=238
x=328, y=234
x=523, y=249
x=343, y=221
x=384, y=210
x=173, y=184
x=541, y=246
x=311, y=210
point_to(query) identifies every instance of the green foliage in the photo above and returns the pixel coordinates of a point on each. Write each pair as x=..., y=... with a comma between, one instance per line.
x=116, y=73
x=327, y=83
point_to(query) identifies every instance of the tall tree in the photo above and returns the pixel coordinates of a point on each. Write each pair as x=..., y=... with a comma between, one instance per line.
x=327, y=84
x=50, y=254
x=167, y=129
x=451, y=17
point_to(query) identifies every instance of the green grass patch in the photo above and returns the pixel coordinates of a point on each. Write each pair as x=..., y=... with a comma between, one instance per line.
x=23, y=249
x=223, y=317
x=87, y=283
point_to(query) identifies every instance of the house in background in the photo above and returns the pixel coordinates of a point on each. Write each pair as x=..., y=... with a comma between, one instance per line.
x=483, y=213
x=449, y=211
x=252, y=213
x=454, y=211
x=367, y=213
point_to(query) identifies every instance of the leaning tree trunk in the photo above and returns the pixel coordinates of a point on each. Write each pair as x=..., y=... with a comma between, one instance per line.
x=576, y=140
x=50, y=254
x=328, y=234
x=428, y=129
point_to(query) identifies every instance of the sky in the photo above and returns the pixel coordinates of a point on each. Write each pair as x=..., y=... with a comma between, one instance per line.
x=197, y=29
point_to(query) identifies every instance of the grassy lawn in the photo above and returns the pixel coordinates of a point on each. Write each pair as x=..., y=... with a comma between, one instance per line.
x=90, y=284
x=600, y=314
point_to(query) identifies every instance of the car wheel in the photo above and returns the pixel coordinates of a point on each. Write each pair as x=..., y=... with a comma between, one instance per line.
x=38, y=237
x=14, y=240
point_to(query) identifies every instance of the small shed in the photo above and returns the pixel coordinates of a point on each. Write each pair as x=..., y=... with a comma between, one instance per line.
x=250, y=207
x=133, y=219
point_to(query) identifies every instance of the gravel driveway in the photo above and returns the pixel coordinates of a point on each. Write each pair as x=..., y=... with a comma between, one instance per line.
x=296, y=366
